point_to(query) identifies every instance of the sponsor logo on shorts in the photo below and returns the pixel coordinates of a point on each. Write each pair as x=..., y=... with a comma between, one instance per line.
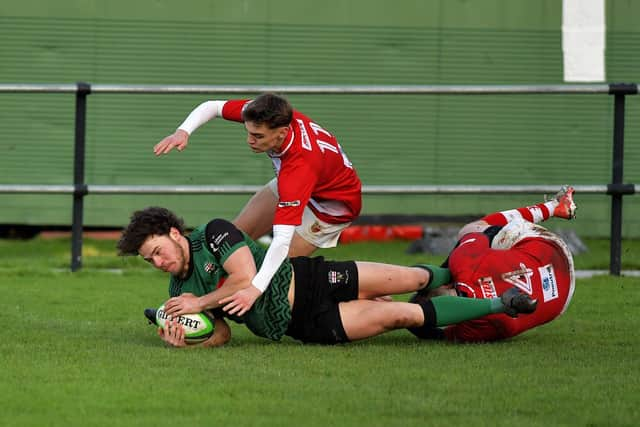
x=337, y=277
x=291, y=204
x=549, y=282
x=487, y=287
x=315, y=227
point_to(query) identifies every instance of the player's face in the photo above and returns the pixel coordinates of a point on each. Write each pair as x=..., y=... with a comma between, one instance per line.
x=165, y=253
x=260, y=138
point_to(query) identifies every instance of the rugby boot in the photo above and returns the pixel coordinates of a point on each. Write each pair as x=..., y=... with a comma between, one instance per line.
x=566, y=207
x=516, y=302
x=150, y=314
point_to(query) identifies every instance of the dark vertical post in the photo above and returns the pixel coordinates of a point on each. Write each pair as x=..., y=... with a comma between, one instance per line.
x=615, y=189
x=617, y=175
x=80, y=188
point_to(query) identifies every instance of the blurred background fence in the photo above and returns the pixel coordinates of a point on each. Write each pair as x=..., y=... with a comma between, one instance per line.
x=393, y=140
x=616, y=188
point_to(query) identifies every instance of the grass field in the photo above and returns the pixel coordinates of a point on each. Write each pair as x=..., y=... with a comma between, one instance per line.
x=76, y=351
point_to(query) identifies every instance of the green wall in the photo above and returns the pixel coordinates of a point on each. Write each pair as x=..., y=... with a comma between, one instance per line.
x=428, y=139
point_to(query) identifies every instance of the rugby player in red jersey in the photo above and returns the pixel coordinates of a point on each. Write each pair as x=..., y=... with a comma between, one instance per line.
x=316, y=192
x=503, y=250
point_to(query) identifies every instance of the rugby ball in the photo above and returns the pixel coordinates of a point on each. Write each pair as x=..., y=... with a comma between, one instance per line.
x=198, y=327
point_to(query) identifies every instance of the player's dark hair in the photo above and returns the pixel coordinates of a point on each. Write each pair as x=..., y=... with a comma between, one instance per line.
x=144, y=223
x=270, y=109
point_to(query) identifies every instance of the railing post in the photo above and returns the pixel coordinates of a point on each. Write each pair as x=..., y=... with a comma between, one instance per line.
x=80, y=188
x=619, y=91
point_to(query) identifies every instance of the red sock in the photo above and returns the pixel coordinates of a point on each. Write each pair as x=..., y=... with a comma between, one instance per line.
x=536, y=213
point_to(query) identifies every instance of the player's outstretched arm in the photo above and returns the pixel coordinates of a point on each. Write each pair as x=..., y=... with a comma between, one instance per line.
x=241, y=269
x=200, y=115
x=243, y=300
x=179, y=140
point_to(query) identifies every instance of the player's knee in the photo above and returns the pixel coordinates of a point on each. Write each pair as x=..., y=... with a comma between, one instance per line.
x=472, y=227
x=401, y=319
x=249, y=227
x=419, y=279
x=300, y=247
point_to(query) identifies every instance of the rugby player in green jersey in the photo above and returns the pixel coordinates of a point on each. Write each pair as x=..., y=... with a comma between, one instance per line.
x=308, y=299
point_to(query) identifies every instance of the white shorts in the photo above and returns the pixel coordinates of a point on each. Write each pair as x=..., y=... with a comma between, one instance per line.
x=315, y=231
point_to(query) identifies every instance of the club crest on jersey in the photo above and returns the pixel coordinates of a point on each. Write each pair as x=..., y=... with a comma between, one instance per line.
x=487, y=287
x=520, y=278
x=549, y=282
x=291, y=204
x=209, y=267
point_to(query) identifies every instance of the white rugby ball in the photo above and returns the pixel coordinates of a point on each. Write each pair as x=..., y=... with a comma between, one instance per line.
x=198, y=327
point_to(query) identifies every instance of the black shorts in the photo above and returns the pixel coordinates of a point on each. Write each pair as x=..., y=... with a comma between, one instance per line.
x=319, y=287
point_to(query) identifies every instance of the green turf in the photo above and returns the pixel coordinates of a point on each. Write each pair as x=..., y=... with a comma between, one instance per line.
x=76, y=351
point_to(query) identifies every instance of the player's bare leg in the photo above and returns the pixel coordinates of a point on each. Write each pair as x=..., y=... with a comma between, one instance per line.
x=256, y=218
x=364, y=318
x=300, y=247
x=377, y=280
x=473, y=227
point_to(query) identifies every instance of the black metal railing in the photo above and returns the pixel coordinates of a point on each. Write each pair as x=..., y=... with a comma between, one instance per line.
x=616, y=189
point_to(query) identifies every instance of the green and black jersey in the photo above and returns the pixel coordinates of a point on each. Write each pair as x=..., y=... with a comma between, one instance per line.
x=210, y=245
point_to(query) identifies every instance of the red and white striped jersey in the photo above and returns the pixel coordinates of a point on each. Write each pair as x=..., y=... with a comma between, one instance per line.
x=312, y=170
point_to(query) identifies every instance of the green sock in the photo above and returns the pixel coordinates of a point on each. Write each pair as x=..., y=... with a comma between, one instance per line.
x=450, y=309
x=438, y=275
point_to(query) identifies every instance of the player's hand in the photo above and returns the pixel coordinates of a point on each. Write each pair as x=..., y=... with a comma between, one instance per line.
x=184, y=304
x=173, y=334
x=240, y=302
x=179, y=139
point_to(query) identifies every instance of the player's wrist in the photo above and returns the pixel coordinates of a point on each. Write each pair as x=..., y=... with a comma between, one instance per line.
x=257, y=287
x=201, y=304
